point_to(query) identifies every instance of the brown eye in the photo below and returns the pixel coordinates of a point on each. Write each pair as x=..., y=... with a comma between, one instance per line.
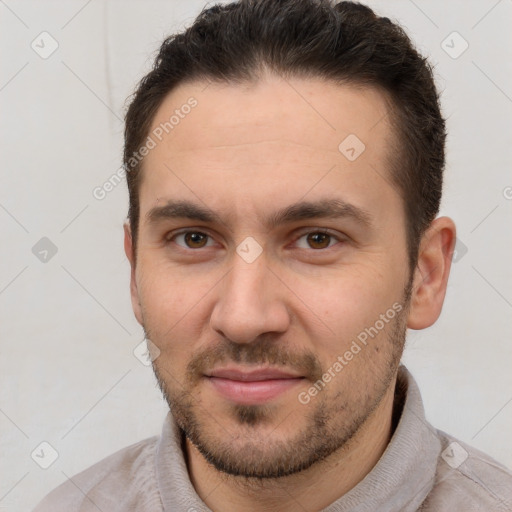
x=318, y=240
x=190, y=239
x=195, y=240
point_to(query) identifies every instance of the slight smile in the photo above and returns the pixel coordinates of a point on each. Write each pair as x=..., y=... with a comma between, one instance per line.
x=252, y=386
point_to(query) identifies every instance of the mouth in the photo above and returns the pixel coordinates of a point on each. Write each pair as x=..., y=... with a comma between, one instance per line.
x=252, y=386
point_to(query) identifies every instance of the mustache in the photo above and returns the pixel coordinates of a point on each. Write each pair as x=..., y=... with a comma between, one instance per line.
x=265, y=351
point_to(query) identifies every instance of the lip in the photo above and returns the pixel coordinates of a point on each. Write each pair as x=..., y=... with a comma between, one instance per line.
x=256, y=374
x=251, y=387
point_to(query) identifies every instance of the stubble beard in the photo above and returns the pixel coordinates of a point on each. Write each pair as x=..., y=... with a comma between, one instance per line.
x=251, y=448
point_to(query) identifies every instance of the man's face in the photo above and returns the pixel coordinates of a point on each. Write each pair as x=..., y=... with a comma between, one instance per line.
x=253, y=306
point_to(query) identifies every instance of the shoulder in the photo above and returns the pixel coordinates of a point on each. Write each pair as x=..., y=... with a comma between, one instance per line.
x=124, y=480
x=468, y=479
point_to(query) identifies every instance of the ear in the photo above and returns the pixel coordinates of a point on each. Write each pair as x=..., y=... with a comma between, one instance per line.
x=431, y=273
x=128, y=249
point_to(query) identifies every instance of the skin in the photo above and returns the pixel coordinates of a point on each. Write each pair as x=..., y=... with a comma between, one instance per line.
x=244, y=152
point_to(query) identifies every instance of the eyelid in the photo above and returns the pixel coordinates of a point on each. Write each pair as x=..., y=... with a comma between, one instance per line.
x=327, y=231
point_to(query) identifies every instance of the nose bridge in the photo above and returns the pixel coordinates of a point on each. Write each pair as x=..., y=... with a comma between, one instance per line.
x=249, y=302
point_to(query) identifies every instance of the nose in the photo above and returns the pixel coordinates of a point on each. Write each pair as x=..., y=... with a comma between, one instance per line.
x=250, y=301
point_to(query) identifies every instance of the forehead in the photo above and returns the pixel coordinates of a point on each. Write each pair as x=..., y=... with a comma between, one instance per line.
x=274, y=137
x=301, y=110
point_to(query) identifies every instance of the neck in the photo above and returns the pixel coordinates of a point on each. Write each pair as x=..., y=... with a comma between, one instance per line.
x=329, y=479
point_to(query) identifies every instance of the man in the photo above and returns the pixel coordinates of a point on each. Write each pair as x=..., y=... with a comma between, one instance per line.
x=284, y=163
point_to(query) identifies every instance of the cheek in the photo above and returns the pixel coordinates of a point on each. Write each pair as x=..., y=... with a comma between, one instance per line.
x=340, y=307
x=167, y=291
x=169, y=307
x=162, y=295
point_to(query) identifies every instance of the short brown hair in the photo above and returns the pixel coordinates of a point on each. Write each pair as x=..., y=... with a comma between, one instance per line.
x=345, y=42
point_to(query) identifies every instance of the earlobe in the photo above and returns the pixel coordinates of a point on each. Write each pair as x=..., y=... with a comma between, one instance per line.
x=431, y=273
x=130, y=254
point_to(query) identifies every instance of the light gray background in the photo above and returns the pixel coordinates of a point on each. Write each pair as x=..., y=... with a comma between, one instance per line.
x=68, y=373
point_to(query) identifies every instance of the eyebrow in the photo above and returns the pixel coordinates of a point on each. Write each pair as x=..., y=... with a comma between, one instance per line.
x=303, y=210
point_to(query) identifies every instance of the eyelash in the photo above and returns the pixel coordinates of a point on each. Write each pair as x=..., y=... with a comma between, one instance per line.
x=304, y=234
